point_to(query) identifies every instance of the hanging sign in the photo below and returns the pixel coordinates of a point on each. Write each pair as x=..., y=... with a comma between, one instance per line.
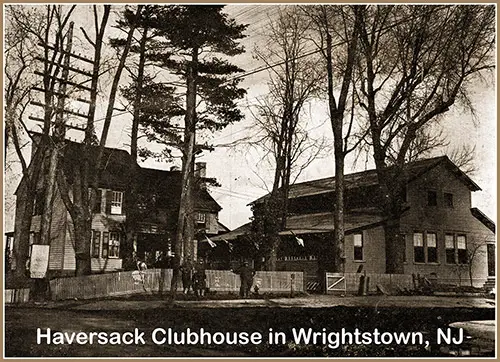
x=39, y=260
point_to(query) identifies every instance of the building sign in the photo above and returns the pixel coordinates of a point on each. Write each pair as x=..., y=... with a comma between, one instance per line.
x=39, y=260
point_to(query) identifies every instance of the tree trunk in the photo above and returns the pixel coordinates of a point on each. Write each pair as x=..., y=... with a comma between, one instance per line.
x=338, y=218
x=82, y=229
x=22, y=235
x=185, y=225
x=22, y=230
x=394, y=246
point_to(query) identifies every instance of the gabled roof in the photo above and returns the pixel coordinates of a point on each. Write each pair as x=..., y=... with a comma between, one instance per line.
x=478, y=214
x=115, y=173
x=221, y=228
x=233, y=235
x=369, y=178
x=168, y=185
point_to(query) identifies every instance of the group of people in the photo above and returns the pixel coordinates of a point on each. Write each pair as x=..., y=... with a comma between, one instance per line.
x=194, y=277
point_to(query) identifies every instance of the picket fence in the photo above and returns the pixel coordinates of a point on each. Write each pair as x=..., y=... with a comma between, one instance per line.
x=156, y=281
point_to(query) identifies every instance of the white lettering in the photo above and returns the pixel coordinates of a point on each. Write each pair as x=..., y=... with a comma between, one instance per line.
x=162, y=332
x=39, y=336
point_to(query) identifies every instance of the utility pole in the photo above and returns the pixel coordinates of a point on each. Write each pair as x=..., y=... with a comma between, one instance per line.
x=55, y=142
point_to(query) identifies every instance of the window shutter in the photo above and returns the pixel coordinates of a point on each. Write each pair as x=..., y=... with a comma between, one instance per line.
x=98, y=201
x=109, y=197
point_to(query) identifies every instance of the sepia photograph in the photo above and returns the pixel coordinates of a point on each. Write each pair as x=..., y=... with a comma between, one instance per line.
x=249, y=180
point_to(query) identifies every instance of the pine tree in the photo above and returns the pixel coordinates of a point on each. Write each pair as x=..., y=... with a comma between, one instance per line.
x=200, y=39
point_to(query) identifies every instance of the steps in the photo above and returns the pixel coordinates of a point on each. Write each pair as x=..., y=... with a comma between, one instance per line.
x=490, y=284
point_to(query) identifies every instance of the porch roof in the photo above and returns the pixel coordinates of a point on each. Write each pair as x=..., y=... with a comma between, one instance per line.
x=233, y=235
x=312, y=224
x=323, y=223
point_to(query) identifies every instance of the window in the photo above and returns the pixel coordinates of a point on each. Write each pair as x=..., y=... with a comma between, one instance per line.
x=358, y=247
x=431, y=198
x=461, y=249
x=448, y=199
x=432, y=256
x=116, y=202
x=114, y=244
x=418, y=248
x=105, y=244
x=200, y=218
x=98, y=201
x=449, y=243
x=96, y=243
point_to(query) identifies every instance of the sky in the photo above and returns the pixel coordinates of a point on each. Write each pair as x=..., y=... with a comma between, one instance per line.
x=242, y=173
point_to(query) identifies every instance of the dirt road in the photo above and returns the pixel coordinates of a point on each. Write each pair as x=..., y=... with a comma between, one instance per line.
x=385, y=314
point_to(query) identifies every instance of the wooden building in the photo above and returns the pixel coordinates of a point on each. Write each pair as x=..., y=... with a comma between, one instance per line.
x=157, y=208
x=444, y=235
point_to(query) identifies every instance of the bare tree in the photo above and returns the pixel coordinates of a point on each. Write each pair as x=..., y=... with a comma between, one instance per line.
x=30, y=27
x=416, y=63
x=475, y=252
x=279, y=117
x=337, y=28
x=86, y=174
x=464, y=158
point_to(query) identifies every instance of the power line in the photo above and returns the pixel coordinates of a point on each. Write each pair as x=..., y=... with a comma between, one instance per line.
x=270, y=66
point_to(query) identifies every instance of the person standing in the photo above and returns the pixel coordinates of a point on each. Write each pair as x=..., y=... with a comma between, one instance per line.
x=187, y=271
x=246, y=274
x=199, y=280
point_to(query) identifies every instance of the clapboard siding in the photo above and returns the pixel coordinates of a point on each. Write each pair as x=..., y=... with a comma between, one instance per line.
x=69, y=249
x=211, y=223
x=105, y=265
x=57, y=234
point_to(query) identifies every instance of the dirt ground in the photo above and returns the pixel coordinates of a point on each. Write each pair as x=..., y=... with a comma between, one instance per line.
x=391, y=314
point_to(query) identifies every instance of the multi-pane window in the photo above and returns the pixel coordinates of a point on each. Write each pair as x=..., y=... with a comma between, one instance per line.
x=358, y=247
x=418, y=248
x=432, y=256
x=200, y=218
x=116, y=202
x=431, y=198
x=114, y=244
x=461, y=249
x=448, y=199
x=96, y=243
x=109, y=247
x=449, y=242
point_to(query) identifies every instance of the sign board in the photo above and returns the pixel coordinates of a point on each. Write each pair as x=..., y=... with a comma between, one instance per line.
x=39, y=260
